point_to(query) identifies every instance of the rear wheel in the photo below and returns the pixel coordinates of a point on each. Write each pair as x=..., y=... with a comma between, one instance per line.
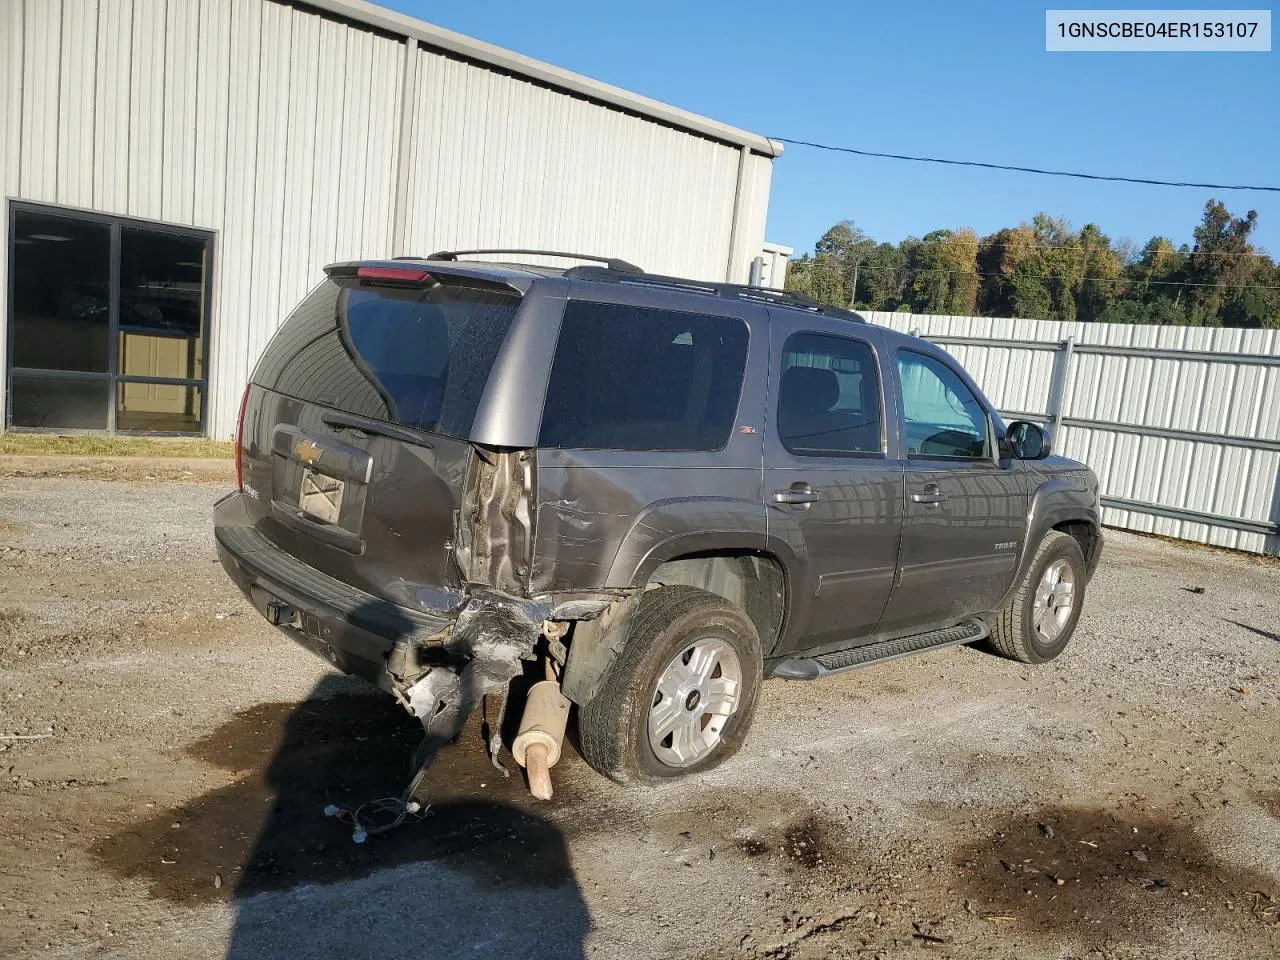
x=680, y=695
x=1040, y=619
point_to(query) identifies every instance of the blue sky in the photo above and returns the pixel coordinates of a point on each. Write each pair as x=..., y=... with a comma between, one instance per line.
x=964, y=80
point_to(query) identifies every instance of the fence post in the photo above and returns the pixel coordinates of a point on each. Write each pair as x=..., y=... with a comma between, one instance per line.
x=1061, y=388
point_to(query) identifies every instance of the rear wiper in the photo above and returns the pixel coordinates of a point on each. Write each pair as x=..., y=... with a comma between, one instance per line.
x=378, y=427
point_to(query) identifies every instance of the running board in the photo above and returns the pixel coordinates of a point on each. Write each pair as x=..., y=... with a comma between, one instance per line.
x=813, y=668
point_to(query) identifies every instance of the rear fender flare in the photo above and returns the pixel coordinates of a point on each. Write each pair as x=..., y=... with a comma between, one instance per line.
x=678, y=528
x=673, y=528
x=664, y=532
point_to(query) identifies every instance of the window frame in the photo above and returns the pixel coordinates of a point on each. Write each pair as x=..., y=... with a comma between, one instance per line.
x=989, y=457
x=115, y=224
x=883, y=452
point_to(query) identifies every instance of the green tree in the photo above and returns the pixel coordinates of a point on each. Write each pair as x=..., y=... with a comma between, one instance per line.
x=831, y=273
x=1154, y=279
x=881, y=278
x=1257, y=302
x=847, y=247
x=1012, y=282
x=942, y=272
x=816, y=277
x=1222, y=262
x=1102, y=280
x=1048, y=270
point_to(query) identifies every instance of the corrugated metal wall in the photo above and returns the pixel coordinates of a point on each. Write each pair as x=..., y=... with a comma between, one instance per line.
x=280, y=130
x=498, y=161
x=1190, y=430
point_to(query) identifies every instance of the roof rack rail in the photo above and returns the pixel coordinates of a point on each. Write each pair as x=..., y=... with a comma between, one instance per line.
x=613, y=263
x=784, y=298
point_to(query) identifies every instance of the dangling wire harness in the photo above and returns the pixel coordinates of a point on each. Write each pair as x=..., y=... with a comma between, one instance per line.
x=363, y=819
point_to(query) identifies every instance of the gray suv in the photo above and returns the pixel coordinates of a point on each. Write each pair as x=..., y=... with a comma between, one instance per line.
x=642, y=494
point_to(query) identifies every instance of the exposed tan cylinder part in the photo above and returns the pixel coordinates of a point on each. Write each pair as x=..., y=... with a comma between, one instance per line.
x=539, y=771
x=546, y=714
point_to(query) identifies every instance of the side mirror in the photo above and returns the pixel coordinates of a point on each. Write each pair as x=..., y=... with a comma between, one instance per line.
x=1026, y=441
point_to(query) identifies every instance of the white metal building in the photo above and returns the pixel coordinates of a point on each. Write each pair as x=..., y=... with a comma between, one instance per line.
x=176, y=173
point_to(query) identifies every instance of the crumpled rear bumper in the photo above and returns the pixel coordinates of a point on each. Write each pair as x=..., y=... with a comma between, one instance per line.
x=483, y=639
x=355, y=631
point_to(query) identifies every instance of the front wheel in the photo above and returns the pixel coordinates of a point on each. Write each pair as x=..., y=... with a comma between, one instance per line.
x=1037, y=623
x=680, y=695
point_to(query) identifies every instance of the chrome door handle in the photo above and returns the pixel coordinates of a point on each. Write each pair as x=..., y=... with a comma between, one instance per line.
x=796, y=495
x=930, y=494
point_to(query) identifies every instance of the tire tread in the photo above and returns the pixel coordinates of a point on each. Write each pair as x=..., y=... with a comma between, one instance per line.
x=602, y=722
x=1008, y=627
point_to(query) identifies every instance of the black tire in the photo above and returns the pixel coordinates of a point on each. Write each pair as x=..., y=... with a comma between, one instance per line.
x=1012, y=629
x=613, y=726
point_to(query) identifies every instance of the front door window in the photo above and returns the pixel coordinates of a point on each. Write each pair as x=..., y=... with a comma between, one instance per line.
x=942, y=416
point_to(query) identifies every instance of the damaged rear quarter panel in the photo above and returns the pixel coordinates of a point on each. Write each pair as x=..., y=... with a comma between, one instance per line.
x=606, y=518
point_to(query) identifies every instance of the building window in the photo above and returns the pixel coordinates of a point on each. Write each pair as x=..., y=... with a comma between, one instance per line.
x=108, y=323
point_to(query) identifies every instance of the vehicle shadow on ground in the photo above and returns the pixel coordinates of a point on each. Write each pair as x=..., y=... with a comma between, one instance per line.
x=476, y=875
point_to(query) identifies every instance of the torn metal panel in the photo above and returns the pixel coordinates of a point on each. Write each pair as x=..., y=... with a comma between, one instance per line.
x=490, y=620
x=494, y=536
x=581, y=608
x=594, y=647
x=492, y=635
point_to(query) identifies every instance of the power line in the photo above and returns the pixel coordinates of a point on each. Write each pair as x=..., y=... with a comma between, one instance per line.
x=989, y=242
x=1017, y=169
x=1049, y=276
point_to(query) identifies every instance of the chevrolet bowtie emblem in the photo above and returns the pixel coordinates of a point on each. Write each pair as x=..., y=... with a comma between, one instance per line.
x=307, y=452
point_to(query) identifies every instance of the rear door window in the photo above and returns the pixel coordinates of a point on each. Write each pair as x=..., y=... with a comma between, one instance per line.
x=829, y=398
x=942, y=416
x=637, y=378
x=416, y=357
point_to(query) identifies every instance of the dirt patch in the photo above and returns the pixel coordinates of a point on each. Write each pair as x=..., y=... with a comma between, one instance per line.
x=1098, y=875
x=1189, y=548
x=805, y=844
x=1270, y=802
x=11, y=618
x=267, y=829
x=24, y=637
x=760, y=824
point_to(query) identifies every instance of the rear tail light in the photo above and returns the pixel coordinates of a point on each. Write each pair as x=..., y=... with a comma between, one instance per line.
x=244, y=402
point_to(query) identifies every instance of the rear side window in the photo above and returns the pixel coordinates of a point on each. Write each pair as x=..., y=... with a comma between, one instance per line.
x=416, y=357
x=636, y=378
x=829, y=397
x=942, y=416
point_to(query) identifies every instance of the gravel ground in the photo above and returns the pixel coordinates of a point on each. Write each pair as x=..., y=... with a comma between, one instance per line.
x=1123, y=801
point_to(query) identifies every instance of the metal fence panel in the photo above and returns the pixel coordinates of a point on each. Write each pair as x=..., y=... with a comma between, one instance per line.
x=1181, y=424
